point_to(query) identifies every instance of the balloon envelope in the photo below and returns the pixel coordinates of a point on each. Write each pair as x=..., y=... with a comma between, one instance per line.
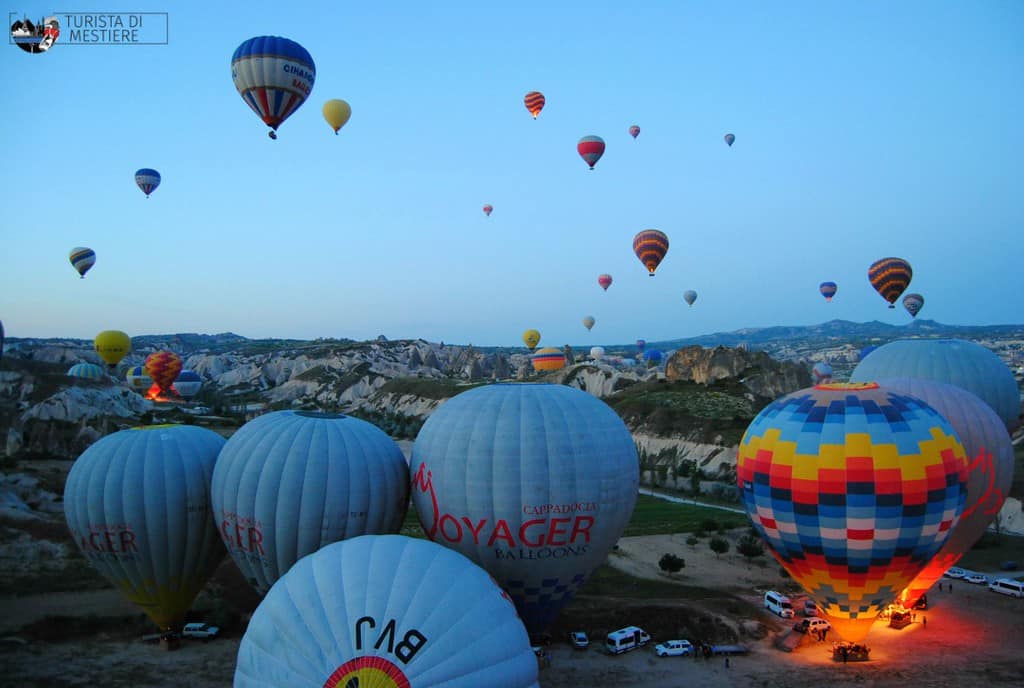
x=137, y=378
x=488, y=209
x=337, y=113
x=890, y=277
x=590, y=148
x=828, y=290
x=274, y=76
x=534, y=101
x=634, y=131
x=82, y=259
x=531, y=338
x=653, y=355
x=385, y=611
x=188, y=383
x=650, y=246
x=547, y=359
x=588, y=322
x=137, y=503
x=533, y=482
x=729, y=139
x=289, y=482
x=953, y=361
x=597, y=352
x=822, y=371
x=87, y=371
x=689, y=296
x=147, y=180
x=605, y=281
x=112, y=346
x=163, y=368
x=854, y=488
x=913, y=303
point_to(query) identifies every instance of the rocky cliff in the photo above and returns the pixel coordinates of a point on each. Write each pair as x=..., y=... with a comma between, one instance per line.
x=758, y=372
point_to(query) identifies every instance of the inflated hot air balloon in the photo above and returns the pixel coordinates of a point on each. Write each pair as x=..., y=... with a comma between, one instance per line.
x=112, y=346
x=590, y=148
x=822, y=372
x=274, y=76
x=137, y=379
x=336, y=112
x=597, y=352
x=385, y=611
x=548, y=359
x=653, y=356
x=534, y=101
x=729, y=139
x=650, y=246
x=689, y=296
x=532, y=482
x=953, y=361
x=889, y=277
x=147, y=180
x=82, y=259
x=488, y=209
x=289, y=482
x=828, y=290
x=989, y=470
x=163, y=367
x=531, y=338
x=187, y=384
x=634, y=131
x=588, y=322
x=87, y=371
x=137, y=503
x=640, y=344
x=855, y=488
x=605, y=281
x=913, y=303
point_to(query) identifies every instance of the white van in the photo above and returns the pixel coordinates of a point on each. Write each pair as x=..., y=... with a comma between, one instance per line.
x=626, y=639
x=1007, y=586
x=779, y=604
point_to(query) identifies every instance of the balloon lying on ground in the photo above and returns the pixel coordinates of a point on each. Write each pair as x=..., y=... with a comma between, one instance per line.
x=385, y=611
x=137, y=503
x=855, y=488
x=163, y=368
x=82, y=259
x=147, y=180
x=87, y=371
x=112, y=346
x=337, y=113
x=990, y=460
x=274, y=76
x=534, y=102
x=533, y=482
x=828, y=290
x=548, y=359
x=953, y=361
x=590, y=148
x=289, y=482
x=650, y=246
x=890, y=277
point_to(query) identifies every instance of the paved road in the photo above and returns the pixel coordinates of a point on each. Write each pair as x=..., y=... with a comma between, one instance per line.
x=684, y=500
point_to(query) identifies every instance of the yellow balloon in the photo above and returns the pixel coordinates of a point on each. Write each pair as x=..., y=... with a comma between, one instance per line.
x=337, y=112
x=531, y=338
x=112, y=346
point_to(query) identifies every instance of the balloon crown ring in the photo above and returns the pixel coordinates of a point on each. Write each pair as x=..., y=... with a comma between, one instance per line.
x=846, y=386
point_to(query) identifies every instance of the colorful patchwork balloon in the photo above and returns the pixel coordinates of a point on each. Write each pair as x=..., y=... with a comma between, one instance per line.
x=855, y=488
x=163, y=367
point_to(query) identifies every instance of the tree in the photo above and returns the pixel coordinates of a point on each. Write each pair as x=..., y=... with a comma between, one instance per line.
x=750, y=546
x=692, y=541
x=670, y=563
x=695, y=478
x=719, y=546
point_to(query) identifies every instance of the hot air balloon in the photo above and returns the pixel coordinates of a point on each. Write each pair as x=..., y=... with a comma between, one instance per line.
x=112, y=346
x=605, y=281
x=590, y=148
x=854, y=488
x=137, y=379
x=913, y=303
x=729, y=139
x=336, y=112
x=137, y=503
x=531, y=338
x=588, y=321
x=889, y=277
x=865, y=351
x=597, y=352
x=989, y=470
x=82, y=259
x=541, y=501
x=163, y=367
x=548, y=359
x=828, y=290
x=689, y=296
x=147, y=180
x=87, y=371
x=488, y=209
x=640, y=344
x=274, y=76
x=187, y=384
x=953, y=361
x=534, y=101
x=650, y=246
x=289, y=482
x=653, y=356
x=634, y=131
x=822, y=372
x=385, y=611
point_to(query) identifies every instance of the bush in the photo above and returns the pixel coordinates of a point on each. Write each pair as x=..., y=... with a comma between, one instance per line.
x=750, y=546
x=670, y=563
x=719, y=546
x=692, y=541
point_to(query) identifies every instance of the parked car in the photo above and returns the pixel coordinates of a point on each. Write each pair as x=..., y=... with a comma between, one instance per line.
x=954, y=572
x=812, y=625
x=976, y=578
x=778, y=603
x=202, y=631
x=674, y=648
x=810, y=608
x=579, y=640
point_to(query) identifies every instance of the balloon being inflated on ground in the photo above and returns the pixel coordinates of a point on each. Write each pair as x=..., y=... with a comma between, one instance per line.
x=385, y=611
x=855, y=488
x=533, y=482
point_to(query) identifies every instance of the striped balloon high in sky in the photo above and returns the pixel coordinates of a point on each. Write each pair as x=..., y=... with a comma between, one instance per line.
x=147, y=180
x=855, y=488
x=274, y=76
x=590, y=148
x=650, y=246
x=534, y=101
x=890, y=277
x=828, y=290
x=82, y=259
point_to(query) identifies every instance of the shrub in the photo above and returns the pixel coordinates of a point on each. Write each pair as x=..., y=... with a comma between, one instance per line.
x=750, y=546
x=692, y=541
x=719, y=545
x=670, y=563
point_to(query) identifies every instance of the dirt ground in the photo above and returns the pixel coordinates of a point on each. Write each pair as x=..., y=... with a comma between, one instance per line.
x=972, y=637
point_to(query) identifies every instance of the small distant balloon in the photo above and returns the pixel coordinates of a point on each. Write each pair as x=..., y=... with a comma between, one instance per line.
x=590, y=148
x=730, y=138
x=822, y=372
x=641, y=343
x=588, y=322
x=689, y=296
x=337, y=113
x=828, y=290
x=534, y=101
x=634, y=131
x=531, y=338
x=487, y=209
x=82, y=259
x=913, y=303
x=147, y=180
x=597, y=352
x=605, y=281
x=650, y=246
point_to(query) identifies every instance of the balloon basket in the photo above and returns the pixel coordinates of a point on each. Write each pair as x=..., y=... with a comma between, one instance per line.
x=169, y=642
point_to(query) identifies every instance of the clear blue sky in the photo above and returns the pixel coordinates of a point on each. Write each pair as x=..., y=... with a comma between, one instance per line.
x=863, y=130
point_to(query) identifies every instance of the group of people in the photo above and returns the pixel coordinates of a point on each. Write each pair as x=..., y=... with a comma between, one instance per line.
x=845, y=651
